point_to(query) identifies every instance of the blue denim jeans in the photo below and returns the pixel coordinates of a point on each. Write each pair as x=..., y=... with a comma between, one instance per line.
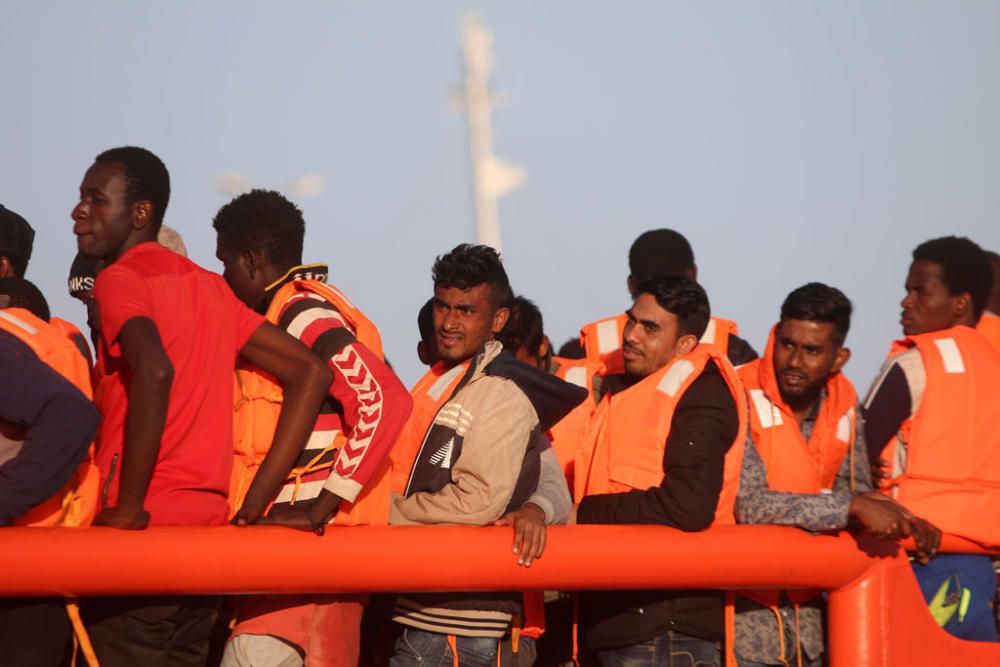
x=419, y=648
x=671, y=649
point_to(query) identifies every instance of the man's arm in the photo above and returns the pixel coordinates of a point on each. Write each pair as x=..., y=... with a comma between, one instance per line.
x=756, y=503
x=550, y=504
x=152, y=375
x=59, y=424
x=704, y=426
x=486, y=472
x=374, y=402
x=305, y=380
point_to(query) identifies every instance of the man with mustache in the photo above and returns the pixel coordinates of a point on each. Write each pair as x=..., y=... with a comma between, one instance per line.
x=668, y=441
x=805, y=464
x=932, y=420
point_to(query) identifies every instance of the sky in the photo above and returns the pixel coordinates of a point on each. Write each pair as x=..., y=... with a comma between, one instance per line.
x=789, y=141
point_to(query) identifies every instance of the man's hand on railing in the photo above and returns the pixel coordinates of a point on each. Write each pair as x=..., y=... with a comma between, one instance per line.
x=311, y=515
x=927, y=537
x=529, y=532
x=880, y=515
x=119, y=517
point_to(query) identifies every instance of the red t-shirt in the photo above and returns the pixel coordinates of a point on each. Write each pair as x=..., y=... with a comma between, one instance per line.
x=202, y=326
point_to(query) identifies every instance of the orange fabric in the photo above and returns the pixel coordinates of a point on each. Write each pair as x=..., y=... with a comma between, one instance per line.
x=76, y=503
x=257, y=403
x=630, y=428
x=602, y=340
x=794, y=465
x=430, y=393
x=952, y=474
x=567, y=435
x=989, y=326
x=326, y=627
x=534, y=615
x=69, y=330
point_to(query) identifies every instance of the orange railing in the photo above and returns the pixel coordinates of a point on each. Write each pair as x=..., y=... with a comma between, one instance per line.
x=877, y=616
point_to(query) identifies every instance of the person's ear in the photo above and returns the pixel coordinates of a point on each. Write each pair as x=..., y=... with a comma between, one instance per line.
x=961, y=305
x=6, y=268
x=544, y=348
x=142, y=214
x=840, y=360
x=685, y=344
x=500, y=319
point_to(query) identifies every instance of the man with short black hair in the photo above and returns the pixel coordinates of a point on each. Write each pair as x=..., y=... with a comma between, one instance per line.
x=471, y=453
x=654, y=254
x=342, y=476
x=165, y=450
x=931, y=424
x=989, y=323
x=805, y=464
x=668, y=442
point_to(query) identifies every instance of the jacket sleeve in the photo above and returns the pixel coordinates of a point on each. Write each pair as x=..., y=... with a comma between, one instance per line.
x=59, y=424
x=704, y=426
x=552, y=494
x=486, y=471
x=375, y=403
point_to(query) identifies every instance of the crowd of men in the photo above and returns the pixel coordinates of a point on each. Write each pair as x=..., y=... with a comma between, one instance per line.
x=289, y=414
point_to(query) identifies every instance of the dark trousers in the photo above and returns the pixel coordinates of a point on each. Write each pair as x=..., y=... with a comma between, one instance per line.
x=151, y=631
x=35, y=631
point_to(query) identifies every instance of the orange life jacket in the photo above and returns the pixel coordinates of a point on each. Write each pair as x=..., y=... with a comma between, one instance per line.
x=430, y=393
x=602, y=340
x=794, y=465
x=69, y=330
x=567, y=435
x=630, y=429
x=989, y=326
x=76, y=503
x=257, y=404
x=952, y=472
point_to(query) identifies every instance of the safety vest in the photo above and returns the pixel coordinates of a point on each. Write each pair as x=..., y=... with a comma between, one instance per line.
x=630, y=429
x=952, y=472
x=76, y=503
x=602, y=340
x=568, y=434
x=794, y=465
x=73, y=334
x=257, y=404
x=430, y=393
x=989, y=326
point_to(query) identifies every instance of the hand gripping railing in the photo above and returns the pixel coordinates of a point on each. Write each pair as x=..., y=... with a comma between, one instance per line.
x=877, y=615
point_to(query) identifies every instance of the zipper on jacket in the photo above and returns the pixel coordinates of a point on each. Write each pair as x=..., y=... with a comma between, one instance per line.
x=107, y=482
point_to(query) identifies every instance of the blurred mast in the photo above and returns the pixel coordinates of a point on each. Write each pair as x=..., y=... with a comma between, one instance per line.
x=491, y=176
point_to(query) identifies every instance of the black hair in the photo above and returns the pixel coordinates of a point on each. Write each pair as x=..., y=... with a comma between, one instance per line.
x=965, y=267
x=524, y=328
x=425, y=322
x=684, y=298
x=147, y=178
x=24, y=294
x=816, y=302
x=263, y=220
x=572, y=349
x=660, y=252
x=467, y=266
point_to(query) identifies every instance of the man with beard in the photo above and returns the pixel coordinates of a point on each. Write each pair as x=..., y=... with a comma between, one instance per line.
x=805, y=464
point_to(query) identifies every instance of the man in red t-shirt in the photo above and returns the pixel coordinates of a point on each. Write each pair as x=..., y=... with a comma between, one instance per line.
x=170, y=336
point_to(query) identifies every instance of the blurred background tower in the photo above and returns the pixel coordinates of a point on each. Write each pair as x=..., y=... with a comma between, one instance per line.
x=491, y=176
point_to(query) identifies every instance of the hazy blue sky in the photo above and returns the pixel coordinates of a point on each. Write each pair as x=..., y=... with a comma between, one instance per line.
x=790, y=141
